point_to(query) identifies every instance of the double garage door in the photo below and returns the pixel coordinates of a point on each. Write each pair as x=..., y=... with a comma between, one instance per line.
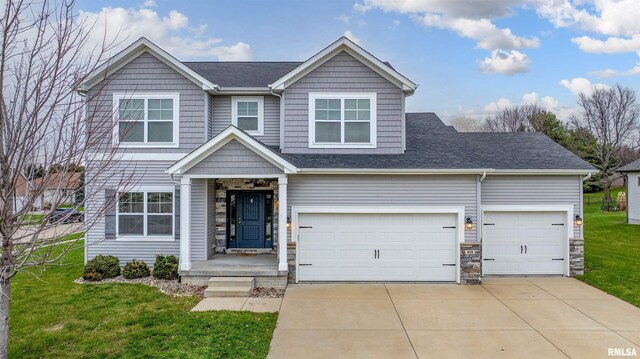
x=377, y=247
x=524, y=242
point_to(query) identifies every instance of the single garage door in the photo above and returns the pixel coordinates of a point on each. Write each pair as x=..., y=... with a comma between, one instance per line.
x=524, y=242
x=377, y=247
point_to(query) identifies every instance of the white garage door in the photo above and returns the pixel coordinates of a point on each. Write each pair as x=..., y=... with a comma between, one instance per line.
x=377, y=247
x=524, y=242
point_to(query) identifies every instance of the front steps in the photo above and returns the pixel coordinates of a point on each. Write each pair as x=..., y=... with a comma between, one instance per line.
x=229, y=287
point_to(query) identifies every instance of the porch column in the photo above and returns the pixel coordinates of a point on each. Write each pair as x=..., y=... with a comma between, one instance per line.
x=185, y=220
x=282, y=224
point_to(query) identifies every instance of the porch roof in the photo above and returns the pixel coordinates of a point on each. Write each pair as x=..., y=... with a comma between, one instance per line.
x=230, y=134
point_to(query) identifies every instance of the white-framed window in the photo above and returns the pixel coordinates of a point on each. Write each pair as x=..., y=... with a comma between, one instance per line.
x=146, y=214
x=146, y=119
x=342, y=120
x=247, y=114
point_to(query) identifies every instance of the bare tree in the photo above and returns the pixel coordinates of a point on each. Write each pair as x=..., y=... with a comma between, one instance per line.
x=611, y=116
x=466, y=124
x=44, y=57
x=525, y=118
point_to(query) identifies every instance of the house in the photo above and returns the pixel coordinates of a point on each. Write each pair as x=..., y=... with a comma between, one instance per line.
x=58, y=188
x=23, y=187
x=632, y=179
x=243, y=157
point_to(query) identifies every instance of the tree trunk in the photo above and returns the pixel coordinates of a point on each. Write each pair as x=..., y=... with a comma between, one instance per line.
x=607, y=191
x=5, y=287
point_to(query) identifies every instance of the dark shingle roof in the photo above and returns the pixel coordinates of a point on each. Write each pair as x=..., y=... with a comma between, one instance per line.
x=631, y=167
x=433, y=145
x=242, y=74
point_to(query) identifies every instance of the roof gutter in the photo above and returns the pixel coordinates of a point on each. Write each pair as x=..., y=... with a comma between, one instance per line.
x=474, y=171
x=484, y=175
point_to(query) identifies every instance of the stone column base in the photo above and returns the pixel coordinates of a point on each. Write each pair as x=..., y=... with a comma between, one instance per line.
x=576, y=257
x=470, y=262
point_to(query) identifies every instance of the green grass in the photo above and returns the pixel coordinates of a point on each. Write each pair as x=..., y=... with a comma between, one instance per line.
x=53, y=317
x=32, y=218
x=612, y=251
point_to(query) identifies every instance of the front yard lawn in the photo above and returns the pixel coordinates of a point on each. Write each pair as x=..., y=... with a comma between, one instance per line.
x=612, y=251
x=56, y=318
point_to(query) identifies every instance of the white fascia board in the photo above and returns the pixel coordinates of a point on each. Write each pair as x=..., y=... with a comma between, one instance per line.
x=541, y=172
x=224, y=137
x=345, y=44
x=244, y=91
x=136, y=49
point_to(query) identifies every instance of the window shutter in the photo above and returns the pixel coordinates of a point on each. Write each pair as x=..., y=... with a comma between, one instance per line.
x=110, y=214
x=177, y=212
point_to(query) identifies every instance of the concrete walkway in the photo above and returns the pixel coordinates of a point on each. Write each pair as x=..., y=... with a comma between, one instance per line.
x=502, y=318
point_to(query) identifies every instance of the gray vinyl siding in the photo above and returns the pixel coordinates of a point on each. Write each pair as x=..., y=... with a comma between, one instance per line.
x=148, y=74
x=198, y=223
x=633, y=197
x=222, y=118
x=127, y=174
x=211, y=217
x=358, y=190
x=534, y=190
x=234, y=158
x=209, y=117
x=343, y=73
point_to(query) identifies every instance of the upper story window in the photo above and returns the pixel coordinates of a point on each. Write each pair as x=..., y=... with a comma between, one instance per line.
x=247, y=114
x=146, y=214
x=342, y=120
x=146, y=120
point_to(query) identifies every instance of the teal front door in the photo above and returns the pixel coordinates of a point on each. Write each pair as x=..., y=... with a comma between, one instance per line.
x=251, y=220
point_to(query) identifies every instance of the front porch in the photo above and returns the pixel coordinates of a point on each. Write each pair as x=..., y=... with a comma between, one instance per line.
x=263, y=267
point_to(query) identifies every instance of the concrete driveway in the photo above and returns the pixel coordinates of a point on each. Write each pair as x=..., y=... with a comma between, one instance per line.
x=502, y=318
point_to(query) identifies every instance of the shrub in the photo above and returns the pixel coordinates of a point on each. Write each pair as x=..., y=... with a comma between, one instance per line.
x=101, y=267
x=135, y=269
x=166, y=267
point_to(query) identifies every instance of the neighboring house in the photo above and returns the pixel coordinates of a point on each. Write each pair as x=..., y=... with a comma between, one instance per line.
x=58, y=188
x=632, y=179
x=245, y=156
x=23, y=188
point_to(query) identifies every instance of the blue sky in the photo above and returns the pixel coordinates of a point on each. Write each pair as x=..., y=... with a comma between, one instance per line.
x=469, y=57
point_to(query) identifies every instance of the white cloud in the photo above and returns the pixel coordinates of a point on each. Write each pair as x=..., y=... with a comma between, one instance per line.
x=615, y=73
x=487, y=35
x=149, y=3
x=505, y=62
x=530, y=98
x=349, y=35
x=472, y=9
x=498, y=105
x=609, y=46
x=581, y=85
x=344, y=18
x=171, y=32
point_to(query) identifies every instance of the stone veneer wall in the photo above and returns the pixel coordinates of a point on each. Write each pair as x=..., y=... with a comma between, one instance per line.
x=239, y=184
x=470, y=262
x=291, y=260
x=576, y=256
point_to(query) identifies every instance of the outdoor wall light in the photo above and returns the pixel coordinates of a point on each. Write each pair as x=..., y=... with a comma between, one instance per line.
x=578, y=220
x=468, y=224
x=288, y=222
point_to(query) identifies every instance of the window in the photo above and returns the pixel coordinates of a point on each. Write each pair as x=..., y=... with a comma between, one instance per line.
x=146, y=120
x=247, y=114
x=345, y=120
x=145, y=214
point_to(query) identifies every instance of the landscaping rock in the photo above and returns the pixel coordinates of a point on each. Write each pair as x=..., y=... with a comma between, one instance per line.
x=267, y=293
x=169, y=287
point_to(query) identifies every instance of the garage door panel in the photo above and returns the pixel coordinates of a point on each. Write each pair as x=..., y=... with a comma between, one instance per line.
x=411, y=247
x=524, y=242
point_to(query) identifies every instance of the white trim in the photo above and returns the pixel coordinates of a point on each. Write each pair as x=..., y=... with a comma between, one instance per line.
x=344, y=44
x=458, y=210
x=145, y=237
x=342, y=96
x=175, y=96
x=206, y=218
x=231, y=133
x=185, y=223
x=244, y=91
x=234, y=112
x=214, y=176
x=134, y=50
x=568, y=209
x=282, y=224
x=206, y=117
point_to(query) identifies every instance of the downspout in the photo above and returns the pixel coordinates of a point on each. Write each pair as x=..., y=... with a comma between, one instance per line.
x=281, y=117
x=582, y=201
x=479, y=207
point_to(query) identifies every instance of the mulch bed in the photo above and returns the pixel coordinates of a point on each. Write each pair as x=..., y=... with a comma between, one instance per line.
x=169, y=287
x=267, y=293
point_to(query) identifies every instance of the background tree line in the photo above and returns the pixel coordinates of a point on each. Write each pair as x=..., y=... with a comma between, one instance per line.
x=604, y=131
